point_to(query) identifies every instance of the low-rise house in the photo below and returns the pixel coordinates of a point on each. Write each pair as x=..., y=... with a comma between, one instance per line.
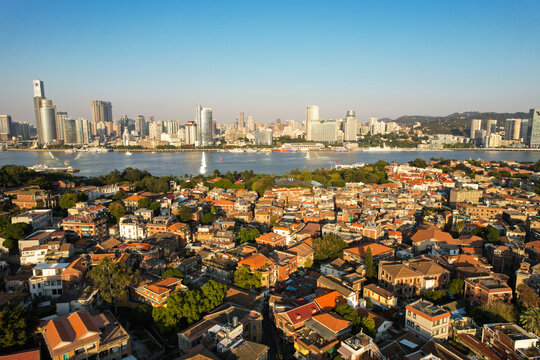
x=39, y=218
x=264, y=265
x=304, y=254
x=379, y=252
x=485, y=290
x=382, y=324
x=132, y=228
x=81, y=335
x=290, y=321
x=285, y=264
x=272, y=240
x=427, y=320
x=40, y=237
x=359, y=347
x=156, y=293
x=159, y=224
x=46, y=280
x=379, y=296
x=32, y=198
x=331, y=283
x=132, y=202
x=424, y=238
x=510, y=341
x=87, y=226
x=320, y=335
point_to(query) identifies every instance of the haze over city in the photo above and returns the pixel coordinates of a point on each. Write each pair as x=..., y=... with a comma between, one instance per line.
x=271, y=60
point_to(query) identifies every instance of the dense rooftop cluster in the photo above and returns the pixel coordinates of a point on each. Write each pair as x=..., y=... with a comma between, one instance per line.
x=430, y=260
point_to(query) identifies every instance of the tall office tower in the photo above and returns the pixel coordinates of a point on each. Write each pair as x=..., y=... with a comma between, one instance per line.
x=6, y=127
x=476, y=124
x=83, y=130
x=155, y=129
x=241, y=121
x=533, y=129
x=101, y=112
x=491, y=127
x=512, y=129
x=70, y=132
x=214, y=128
x=21, y=130
x=206, y=127
x=198, y=111
x=524, y=129
x=250, y=123
x=323, y=130
x=190, y=133
x=351, y=124
x=312, y=113
x=61, y=117
x=48, y=122
x=171, y=127
x=39, y=95
x=124, y=123
x=140, y=125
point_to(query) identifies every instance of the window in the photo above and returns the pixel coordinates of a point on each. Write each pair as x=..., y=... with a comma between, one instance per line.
x=79, y=351
x=66, y=356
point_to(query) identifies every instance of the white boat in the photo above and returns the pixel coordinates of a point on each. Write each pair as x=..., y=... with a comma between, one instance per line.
x=70, y=151
x=237, y=150
x=250, y=150
x=128, y=153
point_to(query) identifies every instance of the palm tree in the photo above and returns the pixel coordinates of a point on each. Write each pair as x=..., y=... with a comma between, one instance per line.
x=530, y=320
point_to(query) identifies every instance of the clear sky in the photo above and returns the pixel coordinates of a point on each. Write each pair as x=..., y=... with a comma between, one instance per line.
x=271, y=59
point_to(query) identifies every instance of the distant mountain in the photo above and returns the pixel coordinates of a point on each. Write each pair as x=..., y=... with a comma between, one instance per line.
x=456, y=123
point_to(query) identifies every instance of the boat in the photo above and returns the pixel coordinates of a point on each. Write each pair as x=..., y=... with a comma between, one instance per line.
x=70, y=151
x=283, y=150
x=67, y=163
x=250, y=150
x=128, y=153
x=46, y=168
x=236, y=150
x=267, y=151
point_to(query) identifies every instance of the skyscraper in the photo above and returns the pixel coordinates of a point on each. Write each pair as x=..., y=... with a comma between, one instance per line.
x=476, y=124
x=101, y=112
x=241, y=122
x=48, y=122
x=351, y=125
x=61, y=117
x=39, y=95
x=250, y=123
x=198, y=111
x=323, y=130
x=6, y=127
x=512, y=129
x=124, y=123
x=312, y=113
x=533, y=130
x=206, y=127
x=140, y=125
x=491, y=127
x=70, y=131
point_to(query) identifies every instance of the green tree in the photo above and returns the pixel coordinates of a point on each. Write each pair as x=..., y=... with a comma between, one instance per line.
x=155, y=207
x=530, y=319
x=207, y=218
x=111, y=279
x=117, y=210
x=120, y=195
x=456, y=286
x=420, y=163
x=172, y=272
x=328, y=247
x=248, y=235
x=17, y=326
x=495, y=312
x=144, y=203
x=368, y=264
x=527, y=296
x=244, y=278
x=436, y=296
x=15, y=232
x=68, y=200
x=185, y=214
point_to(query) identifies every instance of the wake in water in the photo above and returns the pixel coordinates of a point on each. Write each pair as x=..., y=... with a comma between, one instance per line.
x=202, y=170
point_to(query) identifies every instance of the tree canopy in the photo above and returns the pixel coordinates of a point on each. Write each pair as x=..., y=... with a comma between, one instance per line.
x=15, y=232
x=328, y=247
x=17, y=326
x=456, y=286
x=246, y=279
x=69, y=199
x=493, y=313
x=117, y=210
x=185, y=214
x=172, y=272
x=207, y=218
x=111, y=278
x=359, y=322
x=248, y=235
x=368, y=264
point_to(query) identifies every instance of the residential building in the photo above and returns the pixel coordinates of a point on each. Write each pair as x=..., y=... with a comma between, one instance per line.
x=379, y=252
x=157, y=292
x=485, y=290
x=46, y=280
x=427, y=320
x=510, y=341
x=359, y=347
x=132, y=228
x=87, y=226
x=379, y=296
x=81, y=335
x=39, y=219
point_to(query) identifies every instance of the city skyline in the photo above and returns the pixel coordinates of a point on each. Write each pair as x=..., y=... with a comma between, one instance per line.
x=395, y=59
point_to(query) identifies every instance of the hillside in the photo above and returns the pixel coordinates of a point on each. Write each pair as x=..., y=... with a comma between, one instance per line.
x=456, y=123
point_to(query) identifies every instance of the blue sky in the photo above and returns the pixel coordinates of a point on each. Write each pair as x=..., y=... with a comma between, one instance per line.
x=271, y=59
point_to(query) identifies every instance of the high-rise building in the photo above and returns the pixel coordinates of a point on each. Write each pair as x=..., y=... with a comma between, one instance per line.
x=70, y=132
x=101, y=112
x=39, y=95
x=6, y=127
x=263, y=137
x=83, y=129
x=533, y=129
x=512, y=129
x=476, y=124
x=241, y=122
x=491, y=126
x=155, y=129
x=171, y=127
x=190, y=133
x=312, y=113
x=198, y=111
x=323, y=130
x=524, y=129
x=376, y=126
x=61, y=117
x=140, y=125
x=206, y=127
x=48, y=122
x=22, y=130
x=124, y=123
x=351, y=125
x=250, y=123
